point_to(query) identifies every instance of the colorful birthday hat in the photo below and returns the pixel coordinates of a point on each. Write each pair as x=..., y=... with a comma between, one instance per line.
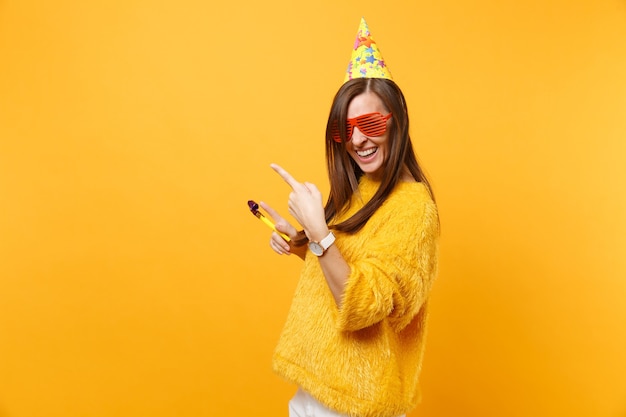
x=367, y=61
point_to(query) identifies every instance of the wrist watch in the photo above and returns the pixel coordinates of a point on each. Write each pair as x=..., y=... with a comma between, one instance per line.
x=318, y=248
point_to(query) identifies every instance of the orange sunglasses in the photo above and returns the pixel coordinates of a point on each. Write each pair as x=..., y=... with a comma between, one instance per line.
x=370, y=124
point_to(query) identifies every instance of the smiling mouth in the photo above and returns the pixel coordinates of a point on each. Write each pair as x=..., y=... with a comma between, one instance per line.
x=367, y=152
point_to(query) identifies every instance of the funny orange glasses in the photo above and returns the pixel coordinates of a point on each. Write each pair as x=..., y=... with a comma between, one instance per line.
x=370, y=124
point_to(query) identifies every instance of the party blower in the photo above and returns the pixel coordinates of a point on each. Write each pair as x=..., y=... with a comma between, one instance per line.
x=254, y=208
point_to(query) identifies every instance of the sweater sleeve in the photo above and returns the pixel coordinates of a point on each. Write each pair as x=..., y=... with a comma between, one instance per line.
x=393, y=276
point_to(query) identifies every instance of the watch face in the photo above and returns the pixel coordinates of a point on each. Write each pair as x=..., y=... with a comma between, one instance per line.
x=316, y=248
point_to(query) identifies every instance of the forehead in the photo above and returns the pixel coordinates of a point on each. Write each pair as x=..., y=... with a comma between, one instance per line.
x=364, y=103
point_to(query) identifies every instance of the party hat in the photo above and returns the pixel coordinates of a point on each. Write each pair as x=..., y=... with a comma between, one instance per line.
x=366, y=61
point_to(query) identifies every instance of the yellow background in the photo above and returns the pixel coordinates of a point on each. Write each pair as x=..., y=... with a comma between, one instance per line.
x=134, y=281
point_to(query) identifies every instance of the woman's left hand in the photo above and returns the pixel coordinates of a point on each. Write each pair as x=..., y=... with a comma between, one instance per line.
x=305, y=205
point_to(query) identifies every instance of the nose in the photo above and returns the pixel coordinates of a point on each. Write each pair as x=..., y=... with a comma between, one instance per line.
x=358, y=138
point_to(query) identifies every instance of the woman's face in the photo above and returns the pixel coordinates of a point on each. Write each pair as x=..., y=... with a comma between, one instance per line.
x=369, y=152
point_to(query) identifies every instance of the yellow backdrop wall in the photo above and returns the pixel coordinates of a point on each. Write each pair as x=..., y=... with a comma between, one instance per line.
x=134, y=281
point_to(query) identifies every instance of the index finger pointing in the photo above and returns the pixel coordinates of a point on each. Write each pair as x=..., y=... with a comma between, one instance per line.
x=285, y=175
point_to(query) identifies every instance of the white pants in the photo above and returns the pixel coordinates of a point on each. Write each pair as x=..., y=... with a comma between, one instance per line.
x=303, y=405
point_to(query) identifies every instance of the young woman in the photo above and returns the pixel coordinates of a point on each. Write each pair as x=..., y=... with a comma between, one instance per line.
x=353, y=341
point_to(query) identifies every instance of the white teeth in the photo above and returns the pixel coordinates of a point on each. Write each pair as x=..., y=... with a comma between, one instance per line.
x=367, y=152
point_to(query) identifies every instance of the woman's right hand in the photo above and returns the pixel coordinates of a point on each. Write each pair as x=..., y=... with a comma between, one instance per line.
x=277, y=243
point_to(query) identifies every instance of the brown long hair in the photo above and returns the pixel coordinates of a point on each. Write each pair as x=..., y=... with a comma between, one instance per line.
x=344, y=173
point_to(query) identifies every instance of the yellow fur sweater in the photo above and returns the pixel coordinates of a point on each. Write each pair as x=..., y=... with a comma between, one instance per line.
x=364, y=359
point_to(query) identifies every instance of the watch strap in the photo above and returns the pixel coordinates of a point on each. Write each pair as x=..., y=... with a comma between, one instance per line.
x=327, y=241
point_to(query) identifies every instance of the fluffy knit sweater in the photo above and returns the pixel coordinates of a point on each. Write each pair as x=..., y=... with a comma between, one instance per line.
x=364, y=359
